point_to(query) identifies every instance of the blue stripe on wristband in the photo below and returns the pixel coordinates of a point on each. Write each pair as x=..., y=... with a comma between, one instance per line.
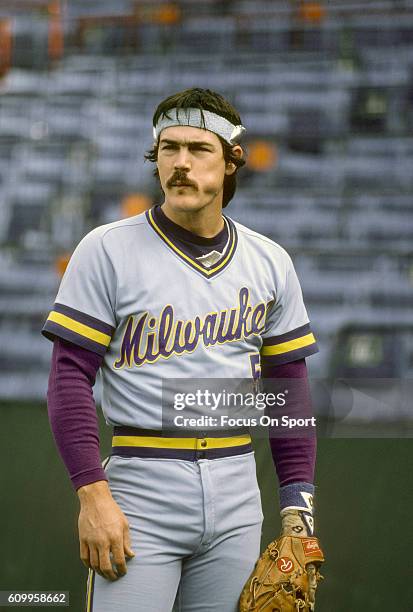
x=298, y=495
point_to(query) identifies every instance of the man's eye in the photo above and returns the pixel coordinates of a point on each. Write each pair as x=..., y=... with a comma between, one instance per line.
x=168, y=147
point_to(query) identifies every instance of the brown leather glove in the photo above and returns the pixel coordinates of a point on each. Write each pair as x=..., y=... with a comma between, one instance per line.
x=286, y=575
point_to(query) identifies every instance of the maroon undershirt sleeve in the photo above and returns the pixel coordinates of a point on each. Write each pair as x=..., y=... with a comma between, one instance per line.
x=294, y=458
x=72, y=411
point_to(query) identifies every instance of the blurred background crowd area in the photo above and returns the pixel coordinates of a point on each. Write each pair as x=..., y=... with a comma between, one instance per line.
x=325, y=90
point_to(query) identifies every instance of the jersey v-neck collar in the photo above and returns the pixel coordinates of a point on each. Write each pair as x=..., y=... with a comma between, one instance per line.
x=189, y=246
x=180, y=234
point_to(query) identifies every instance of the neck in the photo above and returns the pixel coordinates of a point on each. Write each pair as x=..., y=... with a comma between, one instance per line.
x=207, y=222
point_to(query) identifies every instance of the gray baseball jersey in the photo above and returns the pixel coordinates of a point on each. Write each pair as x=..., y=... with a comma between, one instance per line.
x=132, y=295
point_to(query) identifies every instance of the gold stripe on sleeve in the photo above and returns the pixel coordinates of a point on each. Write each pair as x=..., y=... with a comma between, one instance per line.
x=79, y=328
x=290, y=345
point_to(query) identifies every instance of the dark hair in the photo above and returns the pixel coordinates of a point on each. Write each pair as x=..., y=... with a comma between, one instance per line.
x=203, y=99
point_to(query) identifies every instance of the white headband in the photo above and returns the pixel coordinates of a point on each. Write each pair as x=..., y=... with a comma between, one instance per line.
x=193, y=117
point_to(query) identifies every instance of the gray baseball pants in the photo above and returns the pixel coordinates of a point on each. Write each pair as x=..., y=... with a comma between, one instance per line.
x=195, y=530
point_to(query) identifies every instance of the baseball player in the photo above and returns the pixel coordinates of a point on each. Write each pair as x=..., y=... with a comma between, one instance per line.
x=181, y=291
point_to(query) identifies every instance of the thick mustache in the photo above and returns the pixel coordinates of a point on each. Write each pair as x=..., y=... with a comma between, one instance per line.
x=179, y=179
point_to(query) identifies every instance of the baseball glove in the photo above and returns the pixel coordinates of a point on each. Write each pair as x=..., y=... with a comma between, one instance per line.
x=285, y=577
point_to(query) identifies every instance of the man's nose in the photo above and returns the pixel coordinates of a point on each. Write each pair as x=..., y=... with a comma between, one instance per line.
x=182, y=159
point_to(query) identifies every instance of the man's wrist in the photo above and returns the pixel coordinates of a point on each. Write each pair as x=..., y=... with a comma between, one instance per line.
x=297, y=496
x=90, y=476
x=92, y=490
x=297, y=506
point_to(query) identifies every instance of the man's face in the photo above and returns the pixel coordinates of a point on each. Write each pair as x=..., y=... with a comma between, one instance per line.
x=191, y=168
